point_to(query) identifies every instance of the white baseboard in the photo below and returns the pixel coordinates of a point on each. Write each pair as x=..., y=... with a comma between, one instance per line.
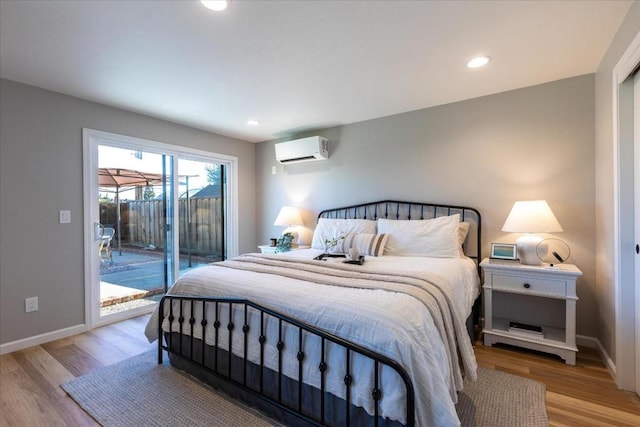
x=42, y=338
x=593, y=342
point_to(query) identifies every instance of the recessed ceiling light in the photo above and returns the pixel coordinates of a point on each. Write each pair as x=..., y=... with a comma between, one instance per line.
x=217, y=5
x=479, y=61
x=253, y=122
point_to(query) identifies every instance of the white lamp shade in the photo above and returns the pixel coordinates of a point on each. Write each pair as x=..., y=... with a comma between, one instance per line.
x=531, y=216
x=288, y=216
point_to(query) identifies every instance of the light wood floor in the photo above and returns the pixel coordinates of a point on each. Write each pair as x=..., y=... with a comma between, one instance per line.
x=30, y=393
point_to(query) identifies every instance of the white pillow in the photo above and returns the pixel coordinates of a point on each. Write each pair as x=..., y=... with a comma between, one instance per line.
x=331, y=228
x=367, y=244
x=437, y=237
x=463, y=230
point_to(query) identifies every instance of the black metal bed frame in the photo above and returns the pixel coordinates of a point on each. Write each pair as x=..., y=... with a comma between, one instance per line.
x=188, y=325
x=188, y=347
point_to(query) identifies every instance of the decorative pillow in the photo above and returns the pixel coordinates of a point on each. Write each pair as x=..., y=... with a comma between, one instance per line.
x=367, y=244
x=437, y=237
x=330, y=228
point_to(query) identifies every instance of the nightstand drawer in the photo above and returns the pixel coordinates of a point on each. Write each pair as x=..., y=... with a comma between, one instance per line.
x=531, y=285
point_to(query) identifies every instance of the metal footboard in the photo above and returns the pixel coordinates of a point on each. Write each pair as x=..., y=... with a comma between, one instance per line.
x=209, y=316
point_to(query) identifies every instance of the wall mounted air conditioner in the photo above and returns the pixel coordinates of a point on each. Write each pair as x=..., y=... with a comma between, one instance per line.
x=308, y=149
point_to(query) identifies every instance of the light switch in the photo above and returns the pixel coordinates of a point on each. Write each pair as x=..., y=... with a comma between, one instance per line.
x=31, y=304
x=273, y=170
x=65, y=217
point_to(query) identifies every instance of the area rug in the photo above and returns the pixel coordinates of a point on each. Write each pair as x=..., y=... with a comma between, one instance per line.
x=137, y=391
x=499, y=399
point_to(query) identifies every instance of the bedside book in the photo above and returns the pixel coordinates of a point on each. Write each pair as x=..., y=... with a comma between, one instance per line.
x=526, y=329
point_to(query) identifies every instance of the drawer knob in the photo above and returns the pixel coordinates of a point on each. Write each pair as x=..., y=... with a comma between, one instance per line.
x=526, y=286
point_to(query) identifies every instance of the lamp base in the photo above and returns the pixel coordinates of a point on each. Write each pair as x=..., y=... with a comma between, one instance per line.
x=527, y=249
x=295, y=234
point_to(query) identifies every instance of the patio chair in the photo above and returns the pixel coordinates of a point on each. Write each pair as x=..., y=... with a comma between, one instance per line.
x=104, y=250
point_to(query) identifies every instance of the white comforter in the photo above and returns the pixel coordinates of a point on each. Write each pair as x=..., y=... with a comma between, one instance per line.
x=395, y=324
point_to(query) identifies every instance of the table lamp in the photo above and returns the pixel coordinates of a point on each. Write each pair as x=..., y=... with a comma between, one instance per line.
x=532, y=216
x=289, y=217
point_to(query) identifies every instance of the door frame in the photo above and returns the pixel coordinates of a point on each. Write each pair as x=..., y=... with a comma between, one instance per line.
x=636, y=180
x=91, y=139
x=625, y=305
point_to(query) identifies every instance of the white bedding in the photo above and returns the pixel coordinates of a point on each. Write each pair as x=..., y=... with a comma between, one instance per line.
x=395, y=324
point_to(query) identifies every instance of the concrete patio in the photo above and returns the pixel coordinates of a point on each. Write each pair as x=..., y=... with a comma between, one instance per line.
x=138, y=273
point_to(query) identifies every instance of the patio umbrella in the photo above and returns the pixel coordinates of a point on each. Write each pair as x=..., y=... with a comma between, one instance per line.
x=118, y=177
x=125, y=179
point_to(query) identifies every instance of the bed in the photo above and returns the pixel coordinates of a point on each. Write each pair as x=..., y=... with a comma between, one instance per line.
x=313, y=340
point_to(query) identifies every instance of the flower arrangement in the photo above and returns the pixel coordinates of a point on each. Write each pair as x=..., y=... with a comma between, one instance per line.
x=284, y=243
x=331, y=243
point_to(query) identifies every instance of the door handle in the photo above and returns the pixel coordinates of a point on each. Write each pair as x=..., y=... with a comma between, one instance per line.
x=638, y=249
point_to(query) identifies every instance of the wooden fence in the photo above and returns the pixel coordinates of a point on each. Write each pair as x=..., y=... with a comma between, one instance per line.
x=142, y=221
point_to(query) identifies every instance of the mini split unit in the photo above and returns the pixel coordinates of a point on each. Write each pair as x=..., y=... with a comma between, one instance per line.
x=308, y=149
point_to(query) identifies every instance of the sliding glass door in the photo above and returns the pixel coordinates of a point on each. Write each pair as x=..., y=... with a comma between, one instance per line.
x=152, y=212
x=135, y=249
x=201, y=213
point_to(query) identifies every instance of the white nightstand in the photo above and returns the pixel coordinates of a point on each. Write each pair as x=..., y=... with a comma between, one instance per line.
x=541, y=296
x=268, y=249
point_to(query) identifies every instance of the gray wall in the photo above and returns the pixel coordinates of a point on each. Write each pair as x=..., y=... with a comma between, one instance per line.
x=531, y=143
x=605, y=291
x=41, y=173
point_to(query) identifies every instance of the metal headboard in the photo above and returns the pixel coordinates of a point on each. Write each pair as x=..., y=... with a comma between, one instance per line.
x=393, y=209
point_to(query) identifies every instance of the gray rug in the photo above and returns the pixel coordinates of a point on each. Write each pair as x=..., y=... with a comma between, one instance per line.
x=499, y=399
x=138, y=392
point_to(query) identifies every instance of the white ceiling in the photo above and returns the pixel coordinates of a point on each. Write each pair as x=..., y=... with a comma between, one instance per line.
x=296, y=65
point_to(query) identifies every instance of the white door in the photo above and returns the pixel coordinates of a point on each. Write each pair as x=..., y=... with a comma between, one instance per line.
x=129, y=253
x=636, y=150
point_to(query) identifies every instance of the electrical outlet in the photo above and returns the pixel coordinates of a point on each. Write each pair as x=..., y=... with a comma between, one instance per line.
x=64, y=217
x=31, y=304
